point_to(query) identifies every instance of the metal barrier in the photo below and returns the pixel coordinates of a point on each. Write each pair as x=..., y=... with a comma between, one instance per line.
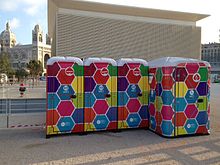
x=22, y=112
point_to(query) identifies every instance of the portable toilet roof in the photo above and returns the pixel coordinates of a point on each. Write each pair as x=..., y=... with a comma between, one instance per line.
x=52, y=60
x=174, y=61
x=123, y=61
x=90, y=60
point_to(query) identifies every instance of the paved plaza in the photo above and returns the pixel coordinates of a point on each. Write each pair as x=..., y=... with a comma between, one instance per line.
x=29, y=146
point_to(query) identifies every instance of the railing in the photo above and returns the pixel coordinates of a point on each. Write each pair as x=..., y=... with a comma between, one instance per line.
x=22, y=112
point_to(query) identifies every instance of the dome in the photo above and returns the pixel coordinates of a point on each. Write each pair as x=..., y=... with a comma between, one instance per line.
x=37, y=28
x=7, y=37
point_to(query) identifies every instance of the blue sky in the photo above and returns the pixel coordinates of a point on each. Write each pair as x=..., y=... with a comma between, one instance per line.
x=24, y=14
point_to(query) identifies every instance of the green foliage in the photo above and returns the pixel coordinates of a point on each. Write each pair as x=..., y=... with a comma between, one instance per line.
x=5, y=66
x=21, y=73
x=35, y=68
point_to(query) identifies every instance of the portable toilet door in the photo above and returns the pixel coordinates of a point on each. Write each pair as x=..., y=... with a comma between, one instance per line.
x=133, y=90
x=100, y=94
x=192, y=97
x=64, y=96
x=179, y=96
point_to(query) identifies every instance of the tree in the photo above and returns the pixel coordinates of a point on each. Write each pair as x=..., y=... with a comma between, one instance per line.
x=21, y=73
x=35, y=68
x=5, y=66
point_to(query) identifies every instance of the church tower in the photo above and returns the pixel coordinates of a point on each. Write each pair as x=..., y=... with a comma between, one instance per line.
x=37, y=35
x=7, y=38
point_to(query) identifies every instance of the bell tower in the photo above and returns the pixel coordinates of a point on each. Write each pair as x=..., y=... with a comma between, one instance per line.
x=37, y=35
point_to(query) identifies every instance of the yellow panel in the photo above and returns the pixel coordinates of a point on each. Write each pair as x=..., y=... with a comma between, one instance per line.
x=80, y=80
x=109, y=83
x=141, y=84
x=122, y=124
x=114, y=84
x=89, y=127
x=74, y=84
x=51, y=130
x=181, y=89
x=181, y=131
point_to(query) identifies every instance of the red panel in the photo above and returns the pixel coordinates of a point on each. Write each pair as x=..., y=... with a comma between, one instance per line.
x=144, y=123
x=167, y=82
x=202, y=129
x=158, y=118
x=65, y=64
x=190, y=83
x=112, y=125
x=64, y=78
x=167, y=70
x=123, y=70
x=133, y=79
x=52, y=70
x=78, y=128
x=101, y=106
x=180, y=119
x=89, y=115
x=101, y=65
x=133, y=105
x=133, y=65
x=99, y=78
x=52, y=117
x=123, y=113
x=192, y=67
x=89, y=70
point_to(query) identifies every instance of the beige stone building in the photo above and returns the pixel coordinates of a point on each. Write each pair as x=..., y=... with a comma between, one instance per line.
x=86, y=29
x=20, y=55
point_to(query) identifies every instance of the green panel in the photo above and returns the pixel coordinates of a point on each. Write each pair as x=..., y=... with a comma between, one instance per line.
x=78, y=101
x=144, y=98
x=203, y=105
x=203, y=74
x=78, y=70
x=144, y=70
x=112, y=70
x=159, y=103
x=159, y=75
x=112, y=101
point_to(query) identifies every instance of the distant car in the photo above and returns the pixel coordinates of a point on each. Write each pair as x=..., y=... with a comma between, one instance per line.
x=42, y=78
x=3, y=78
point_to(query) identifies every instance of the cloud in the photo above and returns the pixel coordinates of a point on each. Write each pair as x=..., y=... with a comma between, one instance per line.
x=14, y=23
x=8, y=5
x=34, y=7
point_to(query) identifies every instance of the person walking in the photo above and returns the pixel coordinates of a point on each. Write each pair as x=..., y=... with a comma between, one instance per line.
x=22, y=89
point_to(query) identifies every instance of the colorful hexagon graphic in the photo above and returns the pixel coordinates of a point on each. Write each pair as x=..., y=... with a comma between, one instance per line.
x=167, y=97
x=167, y=128
x=112, y=114
x=167, y=70
x=123, y=70
x=65, y=124
x=159, y=75
x=89, y=84
x=65, y=108
x=152, y=123
x=202, y=118
x=191, y=96
x=133, y=91
x=101, y=91
x=180, y=74
x=153, y=83
x=191, y=126
x=191, y=111
x=190, y=82
x=101, y=122
x=89, y=99
x=133, y=120
x=152, y=95
x=181, y=89
x=203, y=72
x=167, y=112
x=101, y=106
x=52, y=117
x=89, y=70
x=52, y=101
x=167, y=82
x=180, y=119
x=101, y=76
x=65, y=92
x=133, y=77
x=159, y=89
x=159, y=103
x=89, y=115
x=66, y=77
x=122, y=98
x=122, y=84
x=202, y=88
x=180, y=104
x=122, y=113
x=133, y=105
x=192, y=67
x=202, y=103
x=52, y=84
x=52, y=70
x=152, y=110
x=144, y=114
x=78, y=116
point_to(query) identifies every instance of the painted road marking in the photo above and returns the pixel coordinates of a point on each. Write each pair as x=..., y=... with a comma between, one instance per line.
x=206, y=156
x=193, y=150
x=142, y=159
x=131, y=151
x=168, y=162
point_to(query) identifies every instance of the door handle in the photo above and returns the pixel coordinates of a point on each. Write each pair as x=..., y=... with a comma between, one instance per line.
x=72, y=96
x=108, y=95
x=200, y=101
x=140, y=94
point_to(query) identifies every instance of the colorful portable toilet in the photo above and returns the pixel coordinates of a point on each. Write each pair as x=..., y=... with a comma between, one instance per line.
x=100, y=94
x=179, y=96
x=133, y=90
x=64, y=95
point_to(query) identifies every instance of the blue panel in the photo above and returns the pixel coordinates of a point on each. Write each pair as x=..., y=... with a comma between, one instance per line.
x=53, y=101
x=78, y=116
x=89, y=100
x=65, y=124
x=133, y=120
x=112, y=114
x=202, y=118
x=101, y=122
x=167, y=128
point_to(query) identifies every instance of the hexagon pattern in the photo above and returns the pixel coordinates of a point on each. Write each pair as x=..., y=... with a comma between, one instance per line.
x=184, y=91
x=132, y=91
x=100, y=96
x=67, y=111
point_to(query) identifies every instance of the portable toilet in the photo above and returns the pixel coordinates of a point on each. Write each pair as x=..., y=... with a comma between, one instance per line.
x=100, y=87
x=64, y=96
x=179, y=96
x=133, y=90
